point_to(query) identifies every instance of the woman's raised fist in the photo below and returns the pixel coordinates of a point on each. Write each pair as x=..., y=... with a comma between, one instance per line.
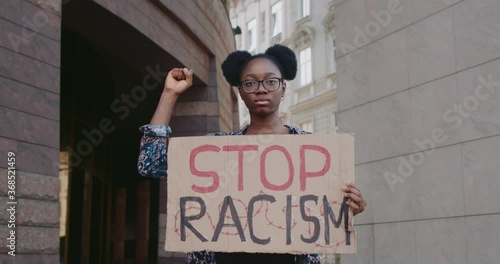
x=178, y=80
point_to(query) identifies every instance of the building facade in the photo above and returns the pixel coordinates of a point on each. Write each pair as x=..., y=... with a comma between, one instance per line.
x=306, y=27
x=77, y=80
x=418, y=85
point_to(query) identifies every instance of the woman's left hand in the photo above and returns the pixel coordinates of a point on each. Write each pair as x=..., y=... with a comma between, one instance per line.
x=356, y=201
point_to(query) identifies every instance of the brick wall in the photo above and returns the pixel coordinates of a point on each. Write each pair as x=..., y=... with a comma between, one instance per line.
x=29, y=115
x=30, y=100
x=203, y=38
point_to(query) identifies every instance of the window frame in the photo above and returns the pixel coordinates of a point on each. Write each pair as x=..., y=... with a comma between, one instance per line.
x=303, y=6
x=310, y=122
x=305, y=63
x=251, y=42
x=276, y=20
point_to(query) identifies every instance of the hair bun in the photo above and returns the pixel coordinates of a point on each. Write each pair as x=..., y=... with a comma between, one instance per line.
x=286, y=58
x=233, y=65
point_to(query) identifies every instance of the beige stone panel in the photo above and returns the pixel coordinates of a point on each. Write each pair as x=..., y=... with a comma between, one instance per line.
x=350, y=18
x=364, y=179
x=481, y=175
x=431, y=109
x=441, y=241
x=483, y=239
x=356, y=121
x=431, y=48
x=477, y=32
x=420, y=9
x=384, y=17
x=364, y=255
x=478, y=110
x=395, y=243
x=438, y=183
x=393, y=190
x=353, y=82
x=388, y=65
x=390, y=126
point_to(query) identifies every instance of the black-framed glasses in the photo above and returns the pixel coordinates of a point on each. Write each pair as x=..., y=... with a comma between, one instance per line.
x=270, y=84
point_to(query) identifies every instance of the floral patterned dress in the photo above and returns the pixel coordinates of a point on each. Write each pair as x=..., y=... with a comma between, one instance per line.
x=152, y=163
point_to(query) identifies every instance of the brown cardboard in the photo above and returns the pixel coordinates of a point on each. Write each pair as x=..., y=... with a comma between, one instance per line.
x=194, y=163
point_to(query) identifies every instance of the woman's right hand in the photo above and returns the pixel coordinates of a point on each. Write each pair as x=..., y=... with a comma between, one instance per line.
x=178, y=80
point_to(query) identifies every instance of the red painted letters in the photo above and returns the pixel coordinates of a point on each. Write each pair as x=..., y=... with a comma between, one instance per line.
x=263, y=178
x=240, y=149
x=196, y=172
x=305, y=174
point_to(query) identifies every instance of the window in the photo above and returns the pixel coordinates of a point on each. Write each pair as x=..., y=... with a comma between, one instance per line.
x=276, y=19
x=305, y=66
x=307, y=125
x=252, y=35
x=304, y=8
x=332, y=57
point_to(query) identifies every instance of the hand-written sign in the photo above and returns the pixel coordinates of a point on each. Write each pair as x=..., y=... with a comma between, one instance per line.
x=273, y=193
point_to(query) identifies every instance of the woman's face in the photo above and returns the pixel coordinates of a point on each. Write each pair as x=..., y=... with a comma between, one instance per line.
x=261, y=103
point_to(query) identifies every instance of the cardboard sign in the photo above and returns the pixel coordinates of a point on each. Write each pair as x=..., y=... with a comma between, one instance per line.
x=266, y=193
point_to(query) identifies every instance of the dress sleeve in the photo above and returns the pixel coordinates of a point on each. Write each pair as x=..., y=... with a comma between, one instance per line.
x=152, y=161
x=307, y=259
x=205, y=257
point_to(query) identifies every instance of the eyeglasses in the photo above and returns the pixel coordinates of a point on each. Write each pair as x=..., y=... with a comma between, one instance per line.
x=270, y=84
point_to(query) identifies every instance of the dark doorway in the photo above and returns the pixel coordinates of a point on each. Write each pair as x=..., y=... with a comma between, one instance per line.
x=111, y=212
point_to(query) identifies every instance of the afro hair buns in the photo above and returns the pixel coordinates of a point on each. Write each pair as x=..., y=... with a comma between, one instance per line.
x=286, y=59
x=282, y=56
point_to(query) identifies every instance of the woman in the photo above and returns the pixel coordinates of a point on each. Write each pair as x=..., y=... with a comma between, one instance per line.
x=260, y=79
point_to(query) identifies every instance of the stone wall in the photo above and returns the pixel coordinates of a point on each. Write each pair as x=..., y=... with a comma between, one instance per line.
x=196, y=33
x=199, y=35
x=29, y=112
x=418, y=86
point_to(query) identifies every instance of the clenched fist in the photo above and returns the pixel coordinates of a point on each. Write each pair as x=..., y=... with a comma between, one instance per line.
x=178, y=80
